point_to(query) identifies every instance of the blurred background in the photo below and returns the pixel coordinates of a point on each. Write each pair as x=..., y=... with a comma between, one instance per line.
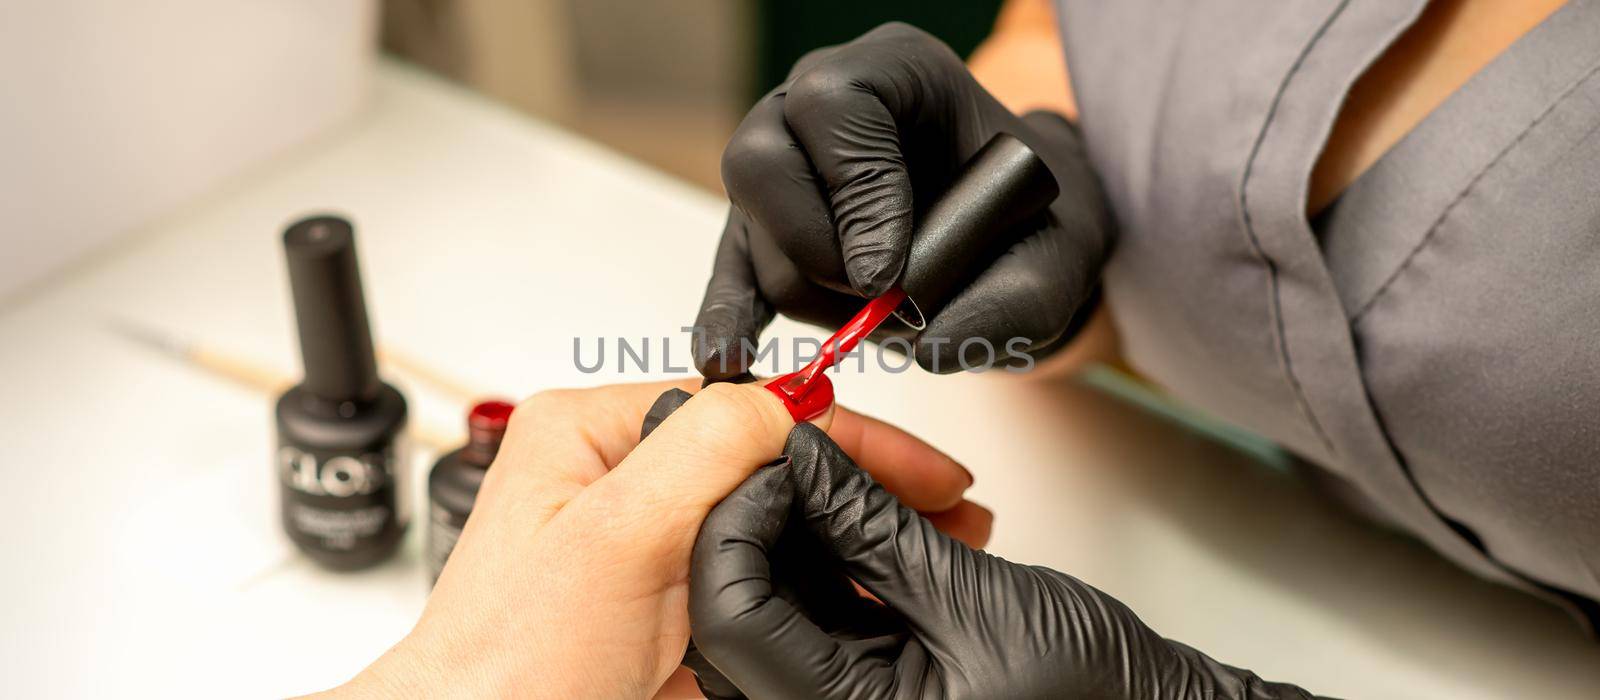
x=665, y=82
x=204, y=91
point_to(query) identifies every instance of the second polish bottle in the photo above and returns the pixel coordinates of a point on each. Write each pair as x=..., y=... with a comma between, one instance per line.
x=454, y=482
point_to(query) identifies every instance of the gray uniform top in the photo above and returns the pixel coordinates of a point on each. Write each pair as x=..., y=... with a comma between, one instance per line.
x=1437, y=343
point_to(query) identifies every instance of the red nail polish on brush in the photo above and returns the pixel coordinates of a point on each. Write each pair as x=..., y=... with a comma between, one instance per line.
x=808, y=393
x=981, y=215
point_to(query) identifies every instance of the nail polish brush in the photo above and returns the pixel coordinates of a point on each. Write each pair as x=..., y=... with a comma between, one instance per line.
x=981, y=215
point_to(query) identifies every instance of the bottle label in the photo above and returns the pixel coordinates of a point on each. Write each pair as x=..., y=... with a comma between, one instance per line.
x=444, y=529
x=341, y=500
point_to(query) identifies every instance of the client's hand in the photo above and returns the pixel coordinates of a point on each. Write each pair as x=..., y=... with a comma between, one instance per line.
x=570, y=579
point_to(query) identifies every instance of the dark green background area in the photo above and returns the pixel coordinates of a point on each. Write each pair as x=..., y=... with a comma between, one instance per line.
x=790, y=28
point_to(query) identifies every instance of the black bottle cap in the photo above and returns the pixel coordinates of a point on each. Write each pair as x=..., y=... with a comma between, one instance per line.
x=335, y=338
x=986, y=209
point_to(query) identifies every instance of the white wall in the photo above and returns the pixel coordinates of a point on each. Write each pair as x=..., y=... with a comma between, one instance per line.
x=113, y=113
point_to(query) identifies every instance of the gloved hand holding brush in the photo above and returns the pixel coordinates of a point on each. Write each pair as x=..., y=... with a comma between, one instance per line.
x=828, y=176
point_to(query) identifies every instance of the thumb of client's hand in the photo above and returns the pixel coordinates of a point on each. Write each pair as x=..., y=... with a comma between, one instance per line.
x=695, y=449
x=570, y=579
x=667, y=405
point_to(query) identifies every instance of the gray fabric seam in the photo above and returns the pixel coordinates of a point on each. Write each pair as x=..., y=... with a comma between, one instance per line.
x=1274, y=292
x=1545, y=591
x=1438, y=223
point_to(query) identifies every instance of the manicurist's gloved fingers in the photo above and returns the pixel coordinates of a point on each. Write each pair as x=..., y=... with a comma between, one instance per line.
x=733, y=312
x=758, y=640
x=845, y=111
x=963, y=623
x=748, y=277
x=769, y=177
x=787, y=287
x=830, y=170
x=888, y=548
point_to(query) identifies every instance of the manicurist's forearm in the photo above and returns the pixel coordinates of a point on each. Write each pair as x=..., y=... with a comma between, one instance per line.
x=1022, y=64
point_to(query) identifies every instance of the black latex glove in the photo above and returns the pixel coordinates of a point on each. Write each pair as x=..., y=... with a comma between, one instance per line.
x=827, y=174
x=958, y=622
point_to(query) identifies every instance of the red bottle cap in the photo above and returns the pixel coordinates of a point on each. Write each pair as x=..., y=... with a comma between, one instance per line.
x=486, y=427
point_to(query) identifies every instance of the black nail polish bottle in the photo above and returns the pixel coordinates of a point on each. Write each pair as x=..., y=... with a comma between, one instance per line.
x=453, y=483
x=341, y=457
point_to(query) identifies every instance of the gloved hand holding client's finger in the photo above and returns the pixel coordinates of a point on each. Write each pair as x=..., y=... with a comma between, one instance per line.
x=772, y=610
